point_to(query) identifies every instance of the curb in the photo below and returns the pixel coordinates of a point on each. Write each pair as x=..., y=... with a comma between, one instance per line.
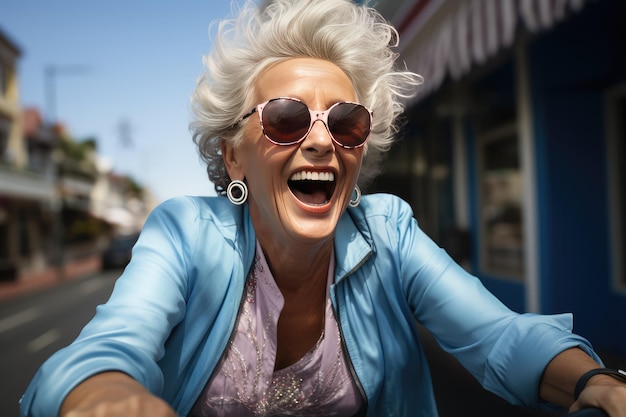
x=49, y=277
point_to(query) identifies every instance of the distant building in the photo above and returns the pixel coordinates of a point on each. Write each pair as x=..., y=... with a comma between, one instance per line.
x=56, y=203
x=119, y=200
x=27, y=194
x=12, y=151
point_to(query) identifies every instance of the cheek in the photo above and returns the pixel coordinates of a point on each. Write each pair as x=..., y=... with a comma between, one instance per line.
x=253, y=153
x=264, y=165
x=353, y=161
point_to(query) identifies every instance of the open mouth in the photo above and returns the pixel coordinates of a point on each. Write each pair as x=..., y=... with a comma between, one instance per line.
x=312, y=187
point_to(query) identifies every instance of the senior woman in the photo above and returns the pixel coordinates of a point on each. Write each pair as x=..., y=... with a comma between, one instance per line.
x=297, y=296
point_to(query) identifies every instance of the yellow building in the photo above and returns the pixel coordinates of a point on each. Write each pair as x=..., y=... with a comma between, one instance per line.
x=27, y=194
x=12, y=151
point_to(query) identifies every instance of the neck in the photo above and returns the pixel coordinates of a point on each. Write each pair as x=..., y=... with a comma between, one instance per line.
x=297, y=267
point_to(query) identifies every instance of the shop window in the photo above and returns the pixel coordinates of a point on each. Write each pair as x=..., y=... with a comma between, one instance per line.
x=500, y=203
x=617, y=179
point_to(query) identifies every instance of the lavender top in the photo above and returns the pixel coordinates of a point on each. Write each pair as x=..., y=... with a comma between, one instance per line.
x=245, y=383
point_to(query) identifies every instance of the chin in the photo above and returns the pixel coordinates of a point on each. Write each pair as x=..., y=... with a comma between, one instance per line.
x=314, y=228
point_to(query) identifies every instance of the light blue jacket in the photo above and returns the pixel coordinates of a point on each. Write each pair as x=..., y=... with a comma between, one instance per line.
x=172, y=312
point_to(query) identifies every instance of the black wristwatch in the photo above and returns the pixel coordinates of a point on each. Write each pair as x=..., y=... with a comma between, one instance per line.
x=615, y=373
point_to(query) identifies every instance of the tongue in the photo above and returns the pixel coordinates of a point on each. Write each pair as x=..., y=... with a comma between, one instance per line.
x=313, y=198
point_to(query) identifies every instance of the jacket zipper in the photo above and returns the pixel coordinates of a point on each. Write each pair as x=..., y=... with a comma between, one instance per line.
x=363, y=410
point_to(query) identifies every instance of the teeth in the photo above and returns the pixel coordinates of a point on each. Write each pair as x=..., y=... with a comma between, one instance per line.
x=313, y=176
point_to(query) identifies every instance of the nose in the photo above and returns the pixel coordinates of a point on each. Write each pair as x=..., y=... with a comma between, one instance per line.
x=318, y=140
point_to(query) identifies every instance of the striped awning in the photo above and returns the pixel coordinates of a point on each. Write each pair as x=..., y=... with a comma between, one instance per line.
x=450, y=37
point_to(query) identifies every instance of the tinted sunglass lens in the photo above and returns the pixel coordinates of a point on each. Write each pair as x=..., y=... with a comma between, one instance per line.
x=349, y=124
x=286, y=121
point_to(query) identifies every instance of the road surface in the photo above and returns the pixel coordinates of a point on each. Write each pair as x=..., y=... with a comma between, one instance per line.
x=35, y=326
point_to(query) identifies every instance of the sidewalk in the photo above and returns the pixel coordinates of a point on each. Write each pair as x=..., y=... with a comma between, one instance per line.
x=49, y=277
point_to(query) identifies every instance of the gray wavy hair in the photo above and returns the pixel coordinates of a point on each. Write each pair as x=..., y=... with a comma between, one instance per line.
x=355, y=38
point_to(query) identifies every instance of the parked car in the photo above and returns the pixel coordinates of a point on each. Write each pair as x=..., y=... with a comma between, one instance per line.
x=117, y=254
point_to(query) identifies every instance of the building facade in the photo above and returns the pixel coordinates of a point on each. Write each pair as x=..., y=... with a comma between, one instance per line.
x=513, y=151
x=27, y=194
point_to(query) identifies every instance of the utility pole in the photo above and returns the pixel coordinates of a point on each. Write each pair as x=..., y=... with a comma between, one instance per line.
x=51, y=73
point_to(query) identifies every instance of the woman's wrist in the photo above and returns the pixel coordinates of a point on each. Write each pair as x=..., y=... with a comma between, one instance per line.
x=616, y=374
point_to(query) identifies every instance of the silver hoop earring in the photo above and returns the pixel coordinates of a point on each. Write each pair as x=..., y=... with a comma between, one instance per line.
x=356, y=197
x=240, y=195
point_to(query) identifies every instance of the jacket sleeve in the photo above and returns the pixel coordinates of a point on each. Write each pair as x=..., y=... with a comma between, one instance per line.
x=127, y=333
x=505, y=351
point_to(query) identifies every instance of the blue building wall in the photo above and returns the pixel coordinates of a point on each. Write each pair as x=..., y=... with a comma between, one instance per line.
x=499, y=88
x=572, y=67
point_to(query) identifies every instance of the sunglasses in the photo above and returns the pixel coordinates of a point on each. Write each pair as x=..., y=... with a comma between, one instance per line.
x=287, y=121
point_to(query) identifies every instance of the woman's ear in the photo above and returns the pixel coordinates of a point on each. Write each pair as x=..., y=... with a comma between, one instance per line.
x=231, y=161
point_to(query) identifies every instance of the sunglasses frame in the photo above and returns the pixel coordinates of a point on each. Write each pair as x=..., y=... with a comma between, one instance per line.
x=315, y=116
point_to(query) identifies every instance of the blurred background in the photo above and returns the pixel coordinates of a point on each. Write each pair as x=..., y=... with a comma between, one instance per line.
x=511, y=155
x=94, y=122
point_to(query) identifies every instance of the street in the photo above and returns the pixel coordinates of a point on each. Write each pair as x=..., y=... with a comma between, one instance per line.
x=35, y=326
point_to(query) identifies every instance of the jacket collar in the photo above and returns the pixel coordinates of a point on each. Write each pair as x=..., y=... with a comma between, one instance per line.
x=353, y=245
x=235, y=225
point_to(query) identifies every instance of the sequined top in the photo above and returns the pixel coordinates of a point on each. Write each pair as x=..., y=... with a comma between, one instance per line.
x=319, y=384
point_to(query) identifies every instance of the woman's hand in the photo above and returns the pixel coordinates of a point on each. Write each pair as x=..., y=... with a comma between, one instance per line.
x=605, y=392
x=113, y=394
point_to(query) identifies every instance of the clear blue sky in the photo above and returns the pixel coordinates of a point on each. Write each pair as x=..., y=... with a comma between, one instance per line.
x=141, y=60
